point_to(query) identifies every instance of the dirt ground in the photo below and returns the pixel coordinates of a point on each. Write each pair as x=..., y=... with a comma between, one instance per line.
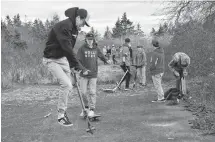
x=126, y=117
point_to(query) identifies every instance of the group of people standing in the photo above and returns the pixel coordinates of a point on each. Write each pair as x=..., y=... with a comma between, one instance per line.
x=111, y=52
x=60, y=60
x=177, y=65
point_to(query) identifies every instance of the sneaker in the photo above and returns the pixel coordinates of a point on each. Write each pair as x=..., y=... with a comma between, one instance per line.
x=159, y=101
x=83, y=113
x=127, y=89
x=64, y=121
x=91, y=113
x=178, y=100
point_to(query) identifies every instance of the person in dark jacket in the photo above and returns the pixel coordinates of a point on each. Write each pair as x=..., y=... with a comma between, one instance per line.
x=157, y=69
x=59, y=56
x=88, y=55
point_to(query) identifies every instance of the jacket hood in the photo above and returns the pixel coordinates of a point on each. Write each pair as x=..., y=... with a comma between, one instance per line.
x=87, y=46
x=159, y=50
x=72, y=14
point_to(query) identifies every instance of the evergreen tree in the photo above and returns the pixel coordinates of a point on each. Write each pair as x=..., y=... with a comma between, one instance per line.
x=107, y=34
x=55, y=20
x=139, y=31
x=127, y=25
x=16, y=20
x=117, y=30
x=47, y=25
x=9, y=21
x=160, y=31
x=152, y=32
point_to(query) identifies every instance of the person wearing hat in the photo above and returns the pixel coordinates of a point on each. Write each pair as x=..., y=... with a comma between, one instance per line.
x=88, y=55
x=157, y=69
x=126, y=62
x=59, y=56
x=139, y=61
x=180, y=61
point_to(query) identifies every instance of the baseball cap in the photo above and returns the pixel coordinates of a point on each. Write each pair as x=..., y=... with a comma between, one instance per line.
x=90, y=36
x=84, y=15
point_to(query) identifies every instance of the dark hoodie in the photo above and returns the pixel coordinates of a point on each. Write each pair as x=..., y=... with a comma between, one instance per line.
x=157, y=61
x=88, y=57
x=62, y=38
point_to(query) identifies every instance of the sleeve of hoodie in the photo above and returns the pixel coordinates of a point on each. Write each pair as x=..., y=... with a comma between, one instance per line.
x=171, y=65
x=101, y=55
x=153, y=61
x=67, y=42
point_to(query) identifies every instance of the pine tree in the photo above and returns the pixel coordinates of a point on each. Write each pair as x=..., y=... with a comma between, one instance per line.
x=160, y=30
x=107, y=34
x=15, y=20
x=18, y=20
x=47, y=25
x=3, y=25
x=55, y=20
x=139, y=31
x=42, y=30
x=127, y=25
x=4, y=31
x=9, y=21
x=117, y=30
x=152, y=32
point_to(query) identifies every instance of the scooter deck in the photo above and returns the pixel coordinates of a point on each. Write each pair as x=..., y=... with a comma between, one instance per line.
x=94, y=118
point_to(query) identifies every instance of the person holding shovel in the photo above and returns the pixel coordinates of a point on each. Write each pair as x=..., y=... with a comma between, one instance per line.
x=88, y=55
x=180, y=61
x=59, y=56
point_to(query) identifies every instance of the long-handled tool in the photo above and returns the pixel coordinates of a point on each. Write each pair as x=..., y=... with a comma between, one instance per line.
x=183, y=86
x=117, y=86
x=90, y=128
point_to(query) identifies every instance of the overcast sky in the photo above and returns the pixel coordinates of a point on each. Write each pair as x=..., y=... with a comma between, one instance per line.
x=102, y=13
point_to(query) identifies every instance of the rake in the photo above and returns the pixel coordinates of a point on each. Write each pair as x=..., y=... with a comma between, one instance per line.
x=117, y=86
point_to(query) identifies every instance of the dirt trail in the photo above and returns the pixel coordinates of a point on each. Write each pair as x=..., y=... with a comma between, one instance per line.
x=126, y=117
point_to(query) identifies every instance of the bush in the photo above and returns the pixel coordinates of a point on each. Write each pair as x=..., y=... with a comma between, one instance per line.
x=198, y=43
x=201, y=102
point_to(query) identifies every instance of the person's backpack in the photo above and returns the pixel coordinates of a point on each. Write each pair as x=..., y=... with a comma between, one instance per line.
x=172, y=94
